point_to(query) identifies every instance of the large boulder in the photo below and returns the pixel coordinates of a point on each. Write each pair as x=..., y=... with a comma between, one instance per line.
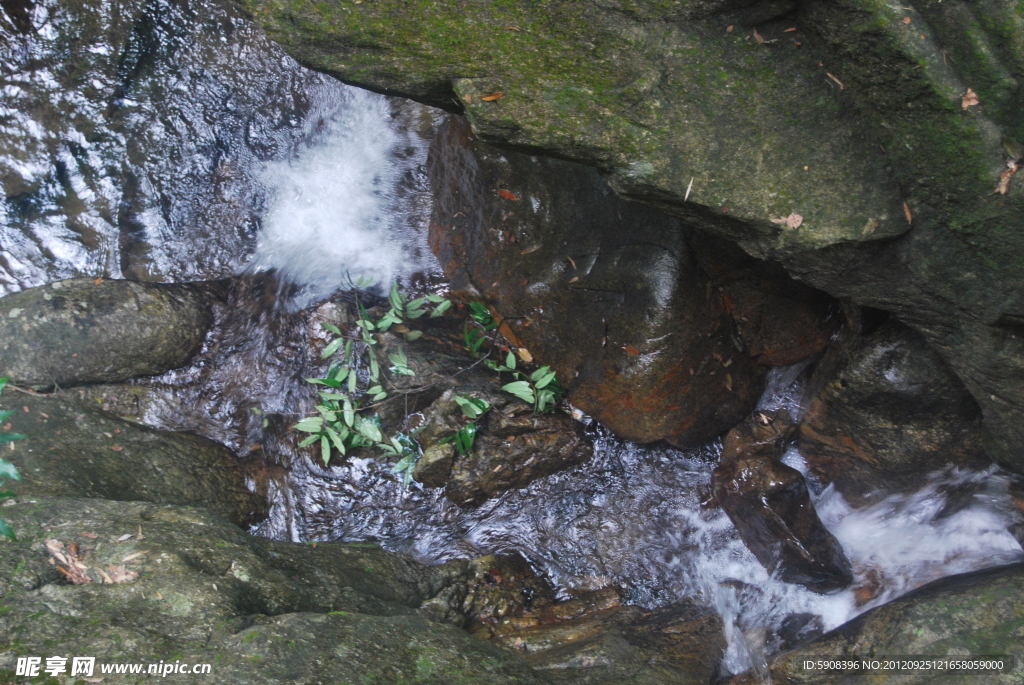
x=139, y=583
x=862, y=145
x=963, y=616
x=99, y=331
x=618, y=298
x=888, y=411
x=770, y=506
x=73, y=450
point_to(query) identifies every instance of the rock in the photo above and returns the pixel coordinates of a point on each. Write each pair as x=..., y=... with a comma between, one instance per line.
x=888, y=412
x=82, y=331
x=606, y=292
x=502, y=589
x=770, y=506
x=593, y=639
x=843, y=150
x=76, y=451
x=513, y=446
x=972, y=614
x=189, y=586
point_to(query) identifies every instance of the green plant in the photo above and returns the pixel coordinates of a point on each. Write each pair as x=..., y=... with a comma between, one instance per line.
x=540, y=388
x=342, y=423
x=7, y=469
x=472, y=409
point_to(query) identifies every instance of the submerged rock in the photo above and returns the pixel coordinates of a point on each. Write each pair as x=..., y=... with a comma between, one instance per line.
x=614, y=295
x=770, y=506
x=968, y=615
x=156, y=582
x=99, y=331
x=888, y=412
x=76, y=451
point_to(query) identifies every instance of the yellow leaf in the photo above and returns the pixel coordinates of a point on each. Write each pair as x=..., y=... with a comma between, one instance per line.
x=491, y=97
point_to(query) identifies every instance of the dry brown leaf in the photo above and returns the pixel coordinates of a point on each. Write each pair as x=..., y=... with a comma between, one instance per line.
x=631, y=350
x=758, y=38
x=1004, y=178
x=574, y=279
x=792, y=28
x=98, y=281
x=116, y=447
x=907, y=20
x=508, y=194
x=525, y=355
x=794, y=220
x=133, y=557
x=841, y=86
x=907, y=213
x=491, y=97
x=729, y=28
x=728, y=382
x=118, y=574
x=532, y=248
x=969, y=99
x=91, y=536
x=512, y=28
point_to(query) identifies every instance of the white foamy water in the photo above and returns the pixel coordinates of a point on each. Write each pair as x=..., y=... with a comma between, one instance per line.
x=350, y=208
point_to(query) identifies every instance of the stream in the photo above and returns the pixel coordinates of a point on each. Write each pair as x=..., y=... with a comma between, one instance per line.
x=168, y=141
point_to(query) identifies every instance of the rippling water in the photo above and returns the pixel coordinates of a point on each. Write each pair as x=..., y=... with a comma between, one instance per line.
x=161, y=140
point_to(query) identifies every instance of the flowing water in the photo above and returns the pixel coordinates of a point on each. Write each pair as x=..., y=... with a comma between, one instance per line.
x=166, y=140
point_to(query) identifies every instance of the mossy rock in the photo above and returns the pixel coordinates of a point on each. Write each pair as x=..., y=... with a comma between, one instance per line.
x=189, y=586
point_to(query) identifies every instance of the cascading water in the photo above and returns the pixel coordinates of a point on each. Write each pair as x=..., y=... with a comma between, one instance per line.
x=161, y=141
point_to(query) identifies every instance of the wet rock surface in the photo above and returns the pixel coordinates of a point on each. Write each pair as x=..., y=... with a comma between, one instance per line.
x=86, y=330
x=888, y=412
x=770, y=506
x=154, y=581
x=846, y=149
x=76, y=451
x=608, y=292
x=966, y=615
x=513, y=445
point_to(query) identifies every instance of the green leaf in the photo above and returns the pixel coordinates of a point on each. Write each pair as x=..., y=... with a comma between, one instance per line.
x=352, y=380
x=332, y=348
x=510, y=361
x=4, y=494
x=520, y=389
x=340, y=373
x=325, y=449
x=6, y=530
x=350, y=413
x=311, y=424
x=336, y=439
x=413, y=335
x=3, y=383
x=368, y=429
x=436, y=298
x=380, y=396
x=374, y=368
x=440, y=309
x=8, y=412
x=395, y=297
x=545, y=380
x=330, y=327
x=545, y=400
x=309, y=440
x=329, y=382
x=464, y=439
x=472, y=407
x=9, y=470
x=416, y=304
x=11, y=437
x=375, y=390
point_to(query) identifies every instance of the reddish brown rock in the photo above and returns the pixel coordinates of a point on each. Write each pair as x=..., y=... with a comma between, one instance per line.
x=770, y=506
x=606, y=291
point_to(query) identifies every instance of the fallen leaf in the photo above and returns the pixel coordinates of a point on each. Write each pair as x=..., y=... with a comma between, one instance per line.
x=728, y=382
x=118, y=574
x=116, y=447
x=727, y=301
x=510, y=438
x=1004, y=178
x=512, y=28
x=491, y=97
x=970, y=98
x=532, y=248
x=906, y=213
x=525, y=355
x=728, y=29
x=126, y=536
x=98, y=281
x=572, y=261
x=907, y=20
x=792, y=28
x=91, y=536
x=688, y=189
x=758, y=38
x=508, y=194
x=841, y=86
x=576, y=278
x=133, y=557
x=794, y=220
x=159, y=596
x=629, y=349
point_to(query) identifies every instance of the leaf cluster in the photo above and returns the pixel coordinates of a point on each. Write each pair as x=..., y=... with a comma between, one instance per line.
x=539, y=388
x=403, y=310
x=7, y=469
x=472, y=409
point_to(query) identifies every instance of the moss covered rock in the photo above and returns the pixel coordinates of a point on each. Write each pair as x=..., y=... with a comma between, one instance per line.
x=179, y=584
x=99, y=331
x=76, y=451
